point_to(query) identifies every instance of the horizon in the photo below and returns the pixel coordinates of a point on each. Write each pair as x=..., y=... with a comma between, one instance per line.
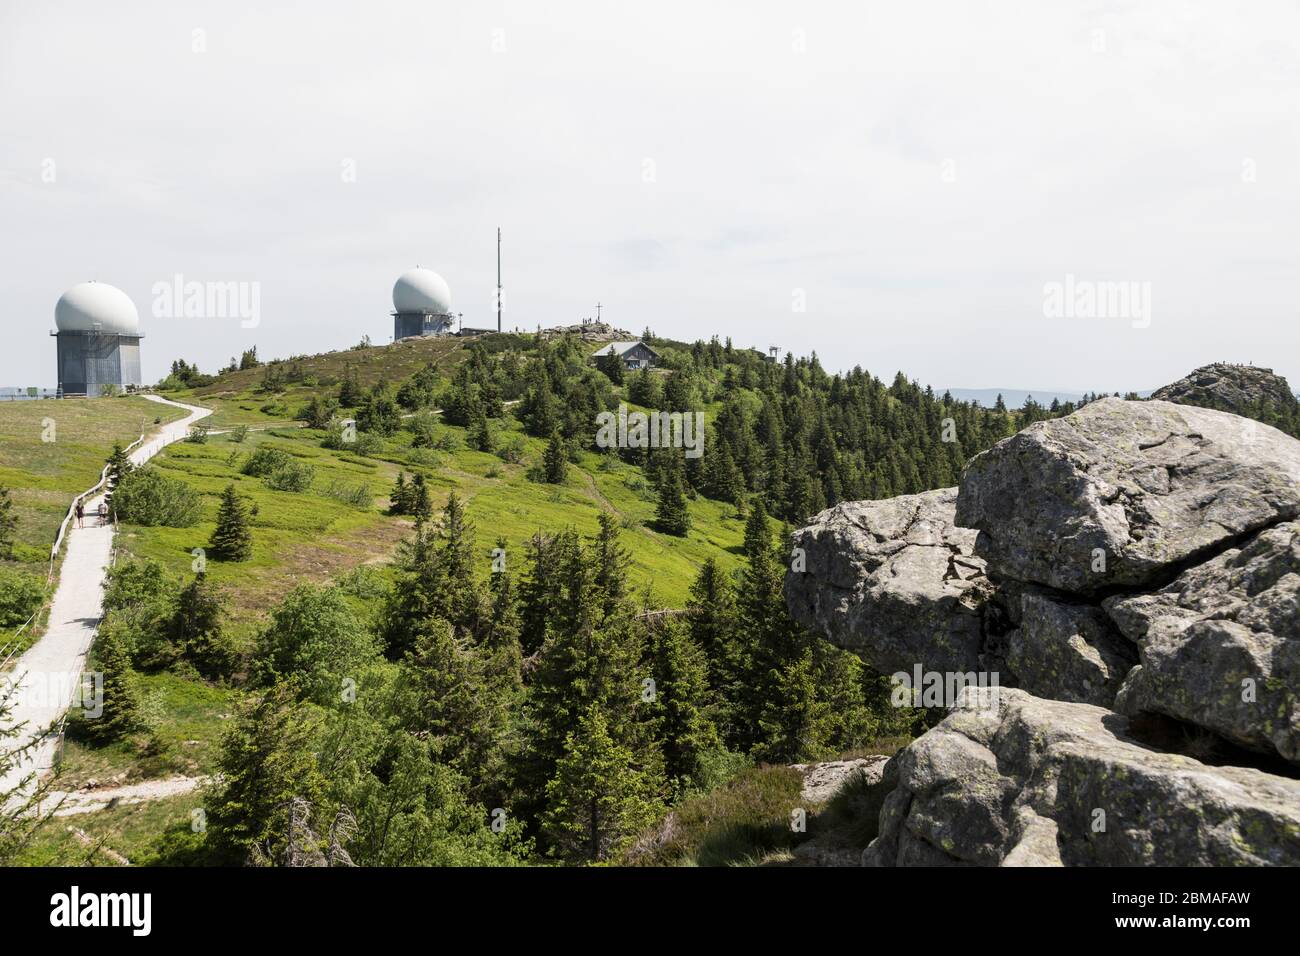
x=822, y=181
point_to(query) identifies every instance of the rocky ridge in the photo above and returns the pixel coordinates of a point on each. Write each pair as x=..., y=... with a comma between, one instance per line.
x=1134, y=571
x=1240, y=389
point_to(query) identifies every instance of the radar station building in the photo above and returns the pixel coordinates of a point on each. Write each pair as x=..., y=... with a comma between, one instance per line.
x=98, y=336
x=421, y=305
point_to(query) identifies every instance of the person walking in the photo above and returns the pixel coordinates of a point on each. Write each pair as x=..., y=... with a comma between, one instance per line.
x=81, y=513
x=103, y=512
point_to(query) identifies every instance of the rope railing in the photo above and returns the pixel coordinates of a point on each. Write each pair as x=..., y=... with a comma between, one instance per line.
x=18, y=633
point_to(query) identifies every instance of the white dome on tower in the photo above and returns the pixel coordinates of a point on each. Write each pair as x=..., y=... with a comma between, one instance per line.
x=96, y=307
x=421, y=290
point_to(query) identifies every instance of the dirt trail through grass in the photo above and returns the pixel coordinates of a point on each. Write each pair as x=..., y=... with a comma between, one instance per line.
x=88, y=801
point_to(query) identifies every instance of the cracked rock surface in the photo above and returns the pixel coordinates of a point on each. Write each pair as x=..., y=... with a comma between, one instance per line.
x=1220, y=645
x=1119, y=492
x=1067, y=651
x=894, y=580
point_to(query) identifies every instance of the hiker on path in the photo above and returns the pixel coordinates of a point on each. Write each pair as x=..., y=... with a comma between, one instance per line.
x=103, y=512
x=81, y=512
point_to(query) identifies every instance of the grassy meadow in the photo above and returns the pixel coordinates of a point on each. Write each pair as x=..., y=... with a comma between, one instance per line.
x=52, y=450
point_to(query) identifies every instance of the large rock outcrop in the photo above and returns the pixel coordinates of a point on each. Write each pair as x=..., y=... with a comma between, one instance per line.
x=1220, y=645
x=1018, y=780
x=1120, y=493
x=1241, y=389
x=893, y=580
x=1135, y=563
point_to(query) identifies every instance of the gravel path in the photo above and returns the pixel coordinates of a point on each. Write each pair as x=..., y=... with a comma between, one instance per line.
x=47, y=675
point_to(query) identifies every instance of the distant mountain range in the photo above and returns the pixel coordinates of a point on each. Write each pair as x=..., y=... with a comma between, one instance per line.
x=1015, y=397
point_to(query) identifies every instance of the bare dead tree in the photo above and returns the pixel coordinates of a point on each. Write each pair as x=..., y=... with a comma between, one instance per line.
x=302, y=845
x=342, y=830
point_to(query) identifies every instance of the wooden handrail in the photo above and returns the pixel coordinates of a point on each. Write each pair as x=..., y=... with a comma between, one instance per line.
x=63, y=526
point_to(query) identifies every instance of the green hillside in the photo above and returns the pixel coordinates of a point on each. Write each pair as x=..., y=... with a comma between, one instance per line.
x=531, y=607
x=315, y=536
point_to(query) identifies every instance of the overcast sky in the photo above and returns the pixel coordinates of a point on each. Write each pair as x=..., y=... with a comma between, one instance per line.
x=912, y=173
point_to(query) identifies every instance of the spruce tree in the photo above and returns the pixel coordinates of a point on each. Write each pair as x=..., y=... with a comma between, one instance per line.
x=318, y=413
x=682, y=703
x=378, y=413
x=501, y=634
x=856, y=698
x=539, y=409
x=267, y=762
x=399, y=500
x=232, y=539
x=678, y=392
x=458, y=600
x=586, y=658
x=611, y=560
x=350, y=394
x=21, y=811
x=711, y=615
x=541, y=591
x=452, y=699
x=555, y=460
x=421, y=506
x=775, y=643
x=722, y=480
x=671, y=514
x=479, y=435
x=121, y=694
x=416, y=593
x=794, y=720
x=612, y=366
x=119, y=466
x=644, y=389
x=194, y=629
x=598, y=798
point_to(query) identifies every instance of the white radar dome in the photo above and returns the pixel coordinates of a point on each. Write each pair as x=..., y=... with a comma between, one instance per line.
x=96, y=307
x=421, y=290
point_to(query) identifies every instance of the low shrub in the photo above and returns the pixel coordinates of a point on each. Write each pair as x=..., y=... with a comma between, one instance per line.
x=345, y=437
x=512, y=452
x=266, y=461
x=742, y=822
x=148, y=497
x=293, y=476
x=20, y=595
x=423, y=429
x=358, y=496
